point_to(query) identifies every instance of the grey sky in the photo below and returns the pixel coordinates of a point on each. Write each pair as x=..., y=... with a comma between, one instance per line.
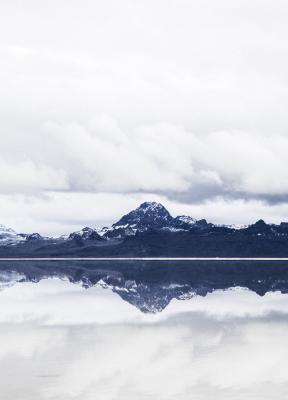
x=184, y=101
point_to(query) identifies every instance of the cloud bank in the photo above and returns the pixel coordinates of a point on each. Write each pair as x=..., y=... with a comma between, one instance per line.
x=175, y=99
x=166, y=159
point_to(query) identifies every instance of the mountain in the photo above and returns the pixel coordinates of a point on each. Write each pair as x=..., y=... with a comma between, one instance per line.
x=184, y=222
x=85, y=234
x=151, y=231
x=9, y=237
x=149, y=215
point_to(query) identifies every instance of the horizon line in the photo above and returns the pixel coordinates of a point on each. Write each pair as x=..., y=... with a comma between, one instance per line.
x=143, y=259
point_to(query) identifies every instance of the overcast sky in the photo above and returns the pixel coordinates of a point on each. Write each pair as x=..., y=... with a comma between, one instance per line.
x=104, y=104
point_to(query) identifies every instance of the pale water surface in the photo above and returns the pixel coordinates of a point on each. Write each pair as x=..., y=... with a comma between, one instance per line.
x=60, y=341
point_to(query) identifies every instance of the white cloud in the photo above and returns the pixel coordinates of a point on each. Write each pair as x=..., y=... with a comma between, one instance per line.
x=27, y=177
x=185, y=99
x=102, y=157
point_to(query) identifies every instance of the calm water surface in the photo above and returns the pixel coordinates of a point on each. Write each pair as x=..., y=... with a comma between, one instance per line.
x=63, y=341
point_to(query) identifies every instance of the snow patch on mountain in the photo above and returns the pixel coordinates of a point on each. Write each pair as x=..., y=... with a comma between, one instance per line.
x=186, y=220
x=85, y=234
x=9, y=236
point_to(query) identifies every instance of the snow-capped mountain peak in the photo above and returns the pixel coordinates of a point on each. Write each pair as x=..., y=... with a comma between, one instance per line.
x=86, y=234
x=185, y=219
x=9, y=236
x=152, y=207
x=147, y=215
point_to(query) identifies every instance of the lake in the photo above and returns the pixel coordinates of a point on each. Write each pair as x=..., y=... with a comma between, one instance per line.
x=143, y=330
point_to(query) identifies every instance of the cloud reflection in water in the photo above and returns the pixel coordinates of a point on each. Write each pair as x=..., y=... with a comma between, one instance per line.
x=60, y=341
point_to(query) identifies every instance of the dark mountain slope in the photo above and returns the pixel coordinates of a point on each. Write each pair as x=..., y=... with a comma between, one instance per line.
x=150, y=231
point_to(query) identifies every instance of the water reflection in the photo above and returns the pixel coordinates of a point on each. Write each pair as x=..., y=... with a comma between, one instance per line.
x=60, y=341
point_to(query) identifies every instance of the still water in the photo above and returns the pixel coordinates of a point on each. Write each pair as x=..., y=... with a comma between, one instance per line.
x=62, y=338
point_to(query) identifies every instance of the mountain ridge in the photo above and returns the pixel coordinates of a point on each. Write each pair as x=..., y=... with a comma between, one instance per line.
x=150, y=230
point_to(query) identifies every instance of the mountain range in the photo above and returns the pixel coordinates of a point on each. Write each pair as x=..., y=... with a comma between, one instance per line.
x=151, y=231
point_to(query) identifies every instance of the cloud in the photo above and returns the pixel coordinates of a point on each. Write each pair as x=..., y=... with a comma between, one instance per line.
x=76, y=343
x=160, y=159
x=27, y=177
x=193, y=64
x=183, y=101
